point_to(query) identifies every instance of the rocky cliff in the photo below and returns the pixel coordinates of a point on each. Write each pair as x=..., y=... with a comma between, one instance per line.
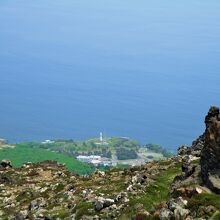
x=199, y=182
x=210, y=156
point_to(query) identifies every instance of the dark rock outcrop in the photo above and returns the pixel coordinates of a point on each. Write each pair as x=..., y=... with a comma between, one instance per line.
x=101, y=203
x=195, y=149
x=191, y=174
x=197, y=146
x=201, y=161
x=6, y=164
x=210, y=155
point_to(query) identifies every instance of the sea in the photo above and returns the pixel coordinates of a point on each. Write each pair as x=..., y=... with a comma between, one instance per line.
x=144, y=69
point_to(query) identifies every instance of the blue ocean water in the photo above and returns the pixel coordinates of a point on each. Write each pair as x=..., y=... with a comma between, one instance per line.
x=146, y=69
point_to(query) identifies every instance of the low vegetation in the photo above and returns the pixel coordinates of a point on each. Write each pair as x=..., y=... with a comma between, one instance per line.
x=27, y=152
x=94, y=146
x=158, y=149
x=154, y=194
x=125, y=154
x=205, y=200
x=123, y=148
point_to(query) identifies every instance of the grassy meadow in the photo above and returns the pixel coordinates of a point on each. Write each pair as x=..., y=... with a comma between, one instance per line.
x=26, y=152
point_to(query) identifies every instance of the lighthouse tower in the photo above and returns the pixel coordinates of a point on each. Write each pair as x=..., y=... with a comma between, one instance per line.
x=101, y=137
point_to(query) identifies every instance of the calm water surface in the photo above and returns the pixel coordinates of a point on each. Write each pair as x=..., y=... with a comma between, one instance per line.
x=147, y=69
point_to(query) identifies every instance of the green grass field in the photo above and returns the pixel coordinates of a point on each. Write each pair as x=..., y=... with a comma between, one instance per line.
x=23, y=153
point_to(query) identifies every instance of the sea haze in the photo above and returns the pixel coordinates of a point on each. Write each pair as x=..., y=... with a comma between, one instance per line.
x=146, y=69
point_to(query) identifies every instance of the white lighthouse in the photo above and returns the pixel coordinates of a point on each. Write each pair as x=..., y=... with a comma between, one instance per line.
x=102, y=141
x=101, y=137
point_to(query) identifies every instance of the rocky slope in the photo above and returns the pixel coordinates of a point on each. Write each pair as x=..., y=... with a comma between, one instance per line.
x=48, y=190
x=186, y=186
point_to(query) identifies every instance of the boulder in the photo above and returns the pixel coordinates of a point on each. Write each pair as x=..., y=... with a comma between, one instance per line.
x=184, y=150
x=188, y=168
x=85, y=217
x=142, y=215
x=6, y=164
x=101, y=203
x=6, y=179
x=122, y=196
x=195, y=149
x=108, y=202
x=180, y=213
x=17, y=216
x=182, y=184
x=37, y=203
x=197, y=146
x=139, y=178
x=175, y=203
x=165, y=214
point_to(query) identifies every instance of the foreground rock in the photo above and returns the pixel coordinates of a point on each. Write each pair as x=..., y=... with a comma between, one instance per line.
x=6, y=164
x=210, y=158
x=194, y=192
x=201, y=162
x=101, y=203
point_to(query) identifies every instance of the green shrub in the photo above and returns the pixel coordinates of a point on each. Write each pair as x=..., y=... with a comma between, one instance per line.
x=125, y=154
x=158, y=149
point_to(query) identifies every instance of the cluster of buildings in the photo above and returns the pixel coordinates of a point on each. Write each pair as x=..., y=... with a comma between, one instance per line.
x=94, y=160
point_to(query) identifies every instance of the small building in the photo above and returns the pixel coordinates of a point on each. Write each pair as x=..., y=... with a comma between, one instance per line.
x=82, y=158
x=47, y=142
x=92, y=159
x=107, y=163
x=95, y=157
x=3, y=141
x=95, y=162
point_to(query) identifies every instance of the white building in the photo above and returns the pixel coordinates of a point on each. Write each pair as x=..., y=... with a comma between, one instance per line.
x=47, y=142
x=92, y=159
x=3, y=141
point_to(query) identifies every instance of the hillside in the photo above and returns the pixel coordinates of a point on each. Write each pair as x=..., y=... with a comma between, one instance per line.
x=48, y=189
x=23, y=153
x=103, y=148
x=184, y=187
x=117, y=150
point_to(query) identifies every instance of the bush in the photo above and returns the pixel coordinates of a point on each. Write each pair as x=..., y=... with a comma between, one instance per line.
x=125, y=154
x=158, y=149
